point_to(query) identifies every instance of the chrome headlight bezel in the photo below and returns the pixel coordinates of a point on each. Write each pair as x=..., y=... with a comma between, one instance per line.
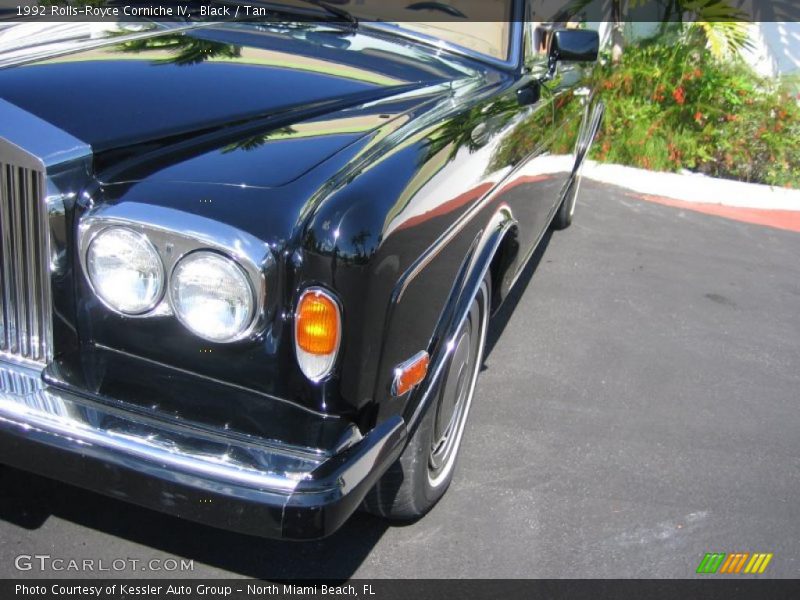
x=176, y=234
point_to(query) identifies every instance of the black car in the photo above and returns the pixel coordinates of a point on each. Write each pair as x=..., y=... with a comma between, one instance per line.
x=246, y=268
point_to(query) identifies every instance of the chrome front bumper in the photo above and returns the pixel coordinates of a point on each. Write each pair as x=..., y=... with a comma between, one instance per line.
x=236, y=482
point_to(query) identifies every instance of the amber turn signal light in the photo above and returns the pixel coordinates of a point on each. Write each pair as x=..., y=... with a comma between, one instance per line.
x=317, y=333
x=317, y=323
x=410, y=374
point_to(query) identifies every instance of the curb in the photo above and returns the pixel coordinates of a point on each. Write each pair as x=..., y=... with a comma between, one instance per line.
x=695, y=188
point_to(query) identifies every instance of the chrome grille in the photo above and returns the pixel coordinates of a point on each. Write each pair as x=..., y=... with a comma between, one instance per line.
x=25, y=318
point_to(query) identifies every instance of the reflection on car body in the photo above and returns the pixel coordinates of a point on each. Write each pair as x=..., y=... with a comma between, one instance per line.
x=247, y=268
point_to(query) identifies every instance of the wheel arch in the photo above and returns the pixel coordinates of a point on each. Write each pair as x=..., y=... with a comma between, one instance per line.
x=501, y=268
x=489, y=255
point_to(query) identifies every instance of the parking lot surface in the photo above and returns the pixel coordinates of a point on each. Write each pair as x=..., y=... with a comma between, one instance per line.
x=639, y=406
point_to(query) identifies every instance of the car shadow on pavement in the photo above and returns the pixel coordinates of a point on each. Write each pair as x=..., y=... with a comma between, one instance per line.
x=500, y=319
x=28, y=501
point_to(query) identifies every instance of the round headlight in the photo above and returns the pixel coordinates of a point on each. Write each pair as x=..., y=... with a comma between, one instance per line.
x=212, y=296
x=125, y=270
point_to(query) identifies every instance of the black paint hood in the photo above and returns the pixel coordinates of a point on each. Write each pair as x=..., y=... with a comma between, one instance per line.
x=178, y=83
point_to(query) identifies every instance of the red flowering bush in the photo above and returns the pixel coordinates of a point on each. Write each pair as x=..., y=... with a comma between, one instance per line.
x=672, y=106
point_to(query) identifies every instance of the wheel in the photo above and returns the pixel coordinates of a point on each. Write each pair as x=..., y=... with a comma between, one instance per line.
x=566, y=211
x=419, y=478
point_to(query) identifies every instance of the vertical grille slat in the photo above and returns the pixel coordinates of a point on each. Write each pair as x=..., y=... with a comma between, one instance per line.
x=4, y=332
x=17, y=207
x=24, y=276
x=8, y=270
x=34, y=259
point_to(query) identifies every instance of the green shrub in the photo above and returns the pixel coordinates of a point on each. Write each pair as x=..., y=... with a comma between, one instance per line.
x=672, y=106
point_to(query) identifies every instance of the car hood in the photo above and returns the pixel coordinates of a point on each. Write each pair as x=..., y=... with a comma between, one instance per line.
x=165, y=88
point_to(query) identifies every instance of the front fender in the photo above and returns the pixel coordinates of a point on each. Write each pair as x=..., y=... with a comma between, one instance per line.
x=474, y=270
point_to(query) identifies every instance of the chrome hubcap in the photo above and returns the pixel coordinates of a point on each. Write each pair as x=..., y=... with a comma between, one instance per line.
x=454, y=390
x=454, y=398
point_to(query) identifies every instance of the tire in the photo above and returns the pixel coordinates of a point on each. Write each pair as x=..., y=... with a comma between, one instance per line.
x=422, y=474
x=566, y=211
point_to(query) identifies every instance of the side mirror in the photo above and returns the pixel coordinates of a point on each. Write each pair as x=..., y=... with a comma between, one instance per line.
x=574, y=45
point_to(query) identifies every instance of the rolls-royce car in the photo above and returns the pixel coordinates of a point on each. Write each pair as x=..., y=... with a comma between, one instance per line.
x=247, y=267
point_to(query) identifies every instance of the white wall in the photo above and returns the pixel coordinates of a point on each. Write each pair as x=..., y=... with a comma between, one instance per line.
x=776, y=48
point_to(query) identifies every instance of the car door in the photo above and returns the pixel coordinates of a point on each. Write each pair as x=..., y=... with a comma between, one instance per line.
x=536, y=181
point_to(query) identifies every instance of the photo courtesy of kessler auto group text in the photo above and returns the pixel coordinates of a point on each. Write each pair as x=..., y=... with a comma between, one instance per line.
x=395, y=299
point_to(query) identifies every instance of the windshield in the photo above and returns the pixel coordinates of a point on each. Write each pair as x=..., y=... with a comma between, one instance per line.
x=481, y=26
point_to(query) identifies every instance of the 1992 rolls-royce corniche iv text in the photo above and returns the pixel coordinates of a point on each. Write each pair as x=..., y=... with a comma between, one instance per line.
x=246, y=268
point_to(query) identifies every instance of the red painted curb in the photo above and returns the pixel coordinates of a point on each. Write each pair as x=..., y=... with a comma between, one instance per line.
x=787, y=220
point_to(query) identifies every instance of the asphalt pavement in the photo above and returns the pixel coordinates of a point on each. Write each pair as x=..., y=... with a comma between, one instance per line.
x=639, y=407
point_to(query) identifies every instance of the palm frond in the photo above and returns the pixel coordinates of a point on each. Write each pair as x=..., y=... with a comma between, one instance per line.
x=714, y=11
x=724, y=38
